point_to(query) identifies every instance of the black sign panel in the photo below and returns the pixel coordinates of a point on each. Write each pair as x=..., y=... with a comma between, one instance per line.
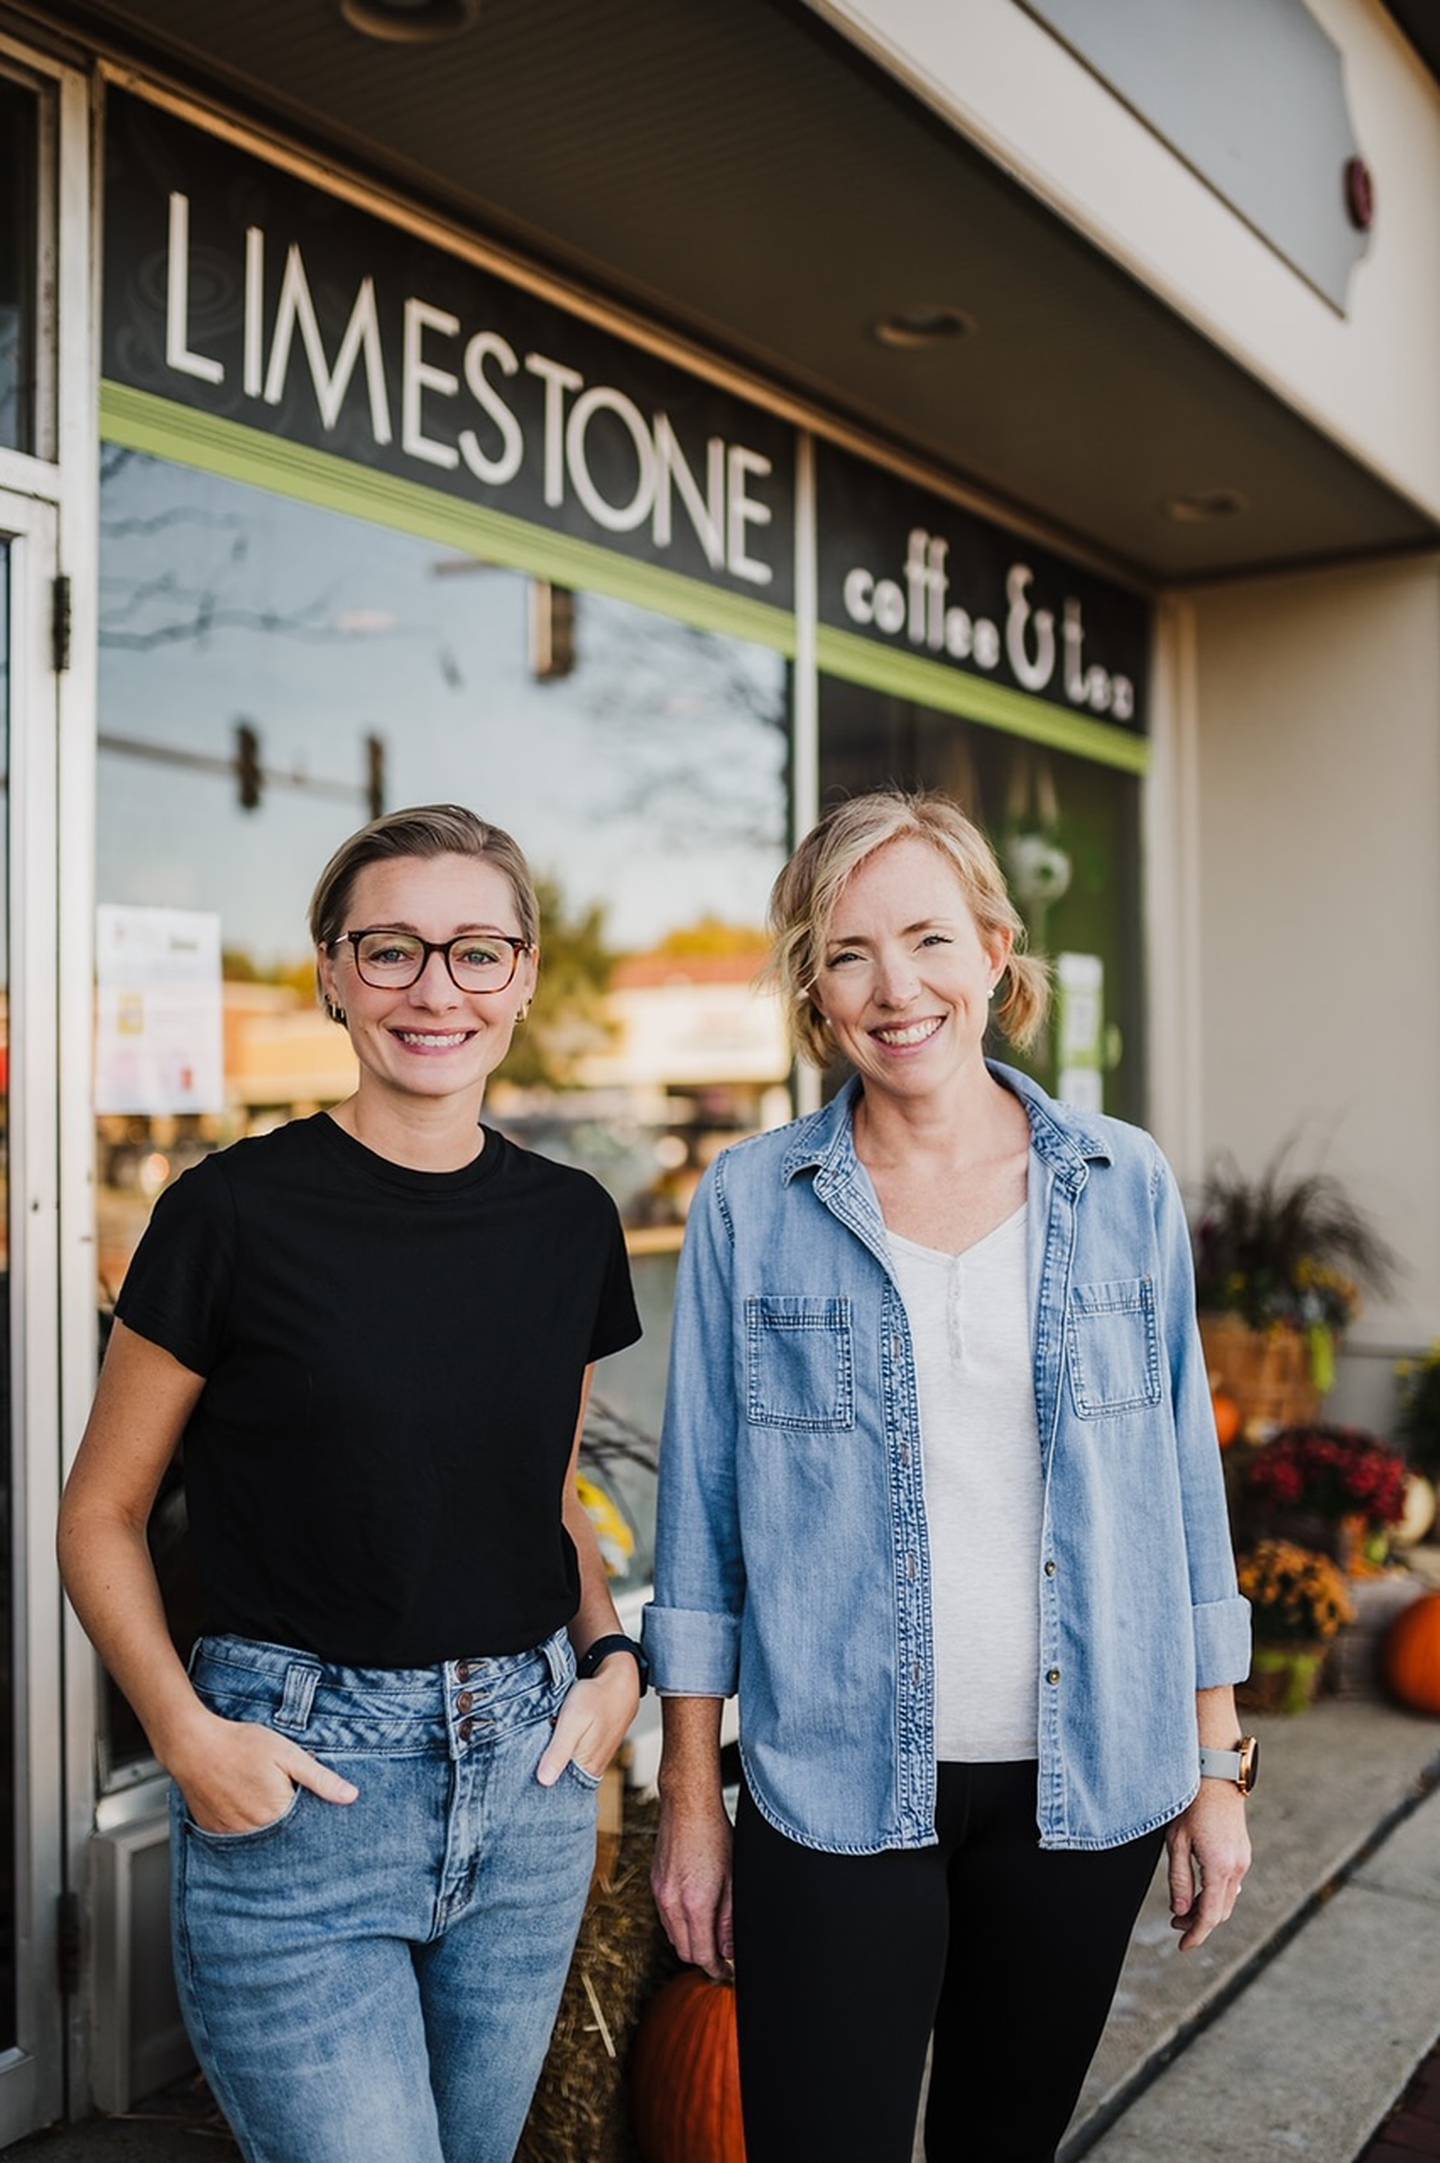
x=918, y=574
x=240, y=290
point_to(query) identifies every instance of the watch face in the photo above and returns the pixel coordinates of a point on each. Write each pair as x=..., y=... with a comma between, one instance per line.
x=1249, y=1763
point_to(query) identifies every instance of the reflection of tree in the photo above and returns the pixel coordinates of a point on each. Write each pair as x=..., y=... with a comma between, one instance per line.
x=693, y=728
x=185, y=601
x=687, y=728
x=710, y=936
x=570, y=1016
x=237, y=966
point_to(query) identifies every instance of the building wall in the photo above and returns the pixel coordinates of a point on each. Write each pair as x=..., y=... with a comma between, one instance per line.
x=1318, y=780
x=1366, y=378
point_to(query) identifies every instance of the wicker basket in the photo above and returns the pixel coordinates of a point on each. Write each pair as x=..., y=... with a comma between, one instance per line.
x=1266, y=1371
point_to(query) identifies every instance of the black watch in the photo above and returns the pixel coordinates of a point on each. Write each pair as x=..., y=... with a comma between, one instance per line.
x=601, y=1650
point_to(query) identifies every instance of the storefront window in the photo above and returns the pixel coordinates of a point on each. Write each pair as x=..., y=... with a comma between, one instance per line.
x=271, y=675
x=1067, y=833
x=17, y=266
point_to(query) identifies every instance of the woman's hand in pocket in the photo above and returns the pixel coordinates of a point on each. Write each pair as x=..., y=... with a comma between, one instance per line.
x=593, y=1721
x=238, y=1777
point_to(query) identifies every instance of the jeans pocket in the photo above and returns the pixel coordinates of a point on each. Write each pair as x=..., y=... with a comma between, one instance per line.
x=800, y=1363
x=589, y=1780
x=252, y=1834
x=1113, y=1345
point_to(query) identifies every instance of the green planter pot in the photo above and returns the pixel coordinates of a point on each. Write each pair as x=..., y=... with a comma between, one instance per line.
x=1283, y=1678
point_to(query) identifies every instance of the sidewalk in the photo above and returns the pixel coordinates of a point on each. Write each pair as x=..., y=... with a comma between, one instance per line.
x=1279, y=2037
x=1411, y=2133
x=1292, y=2034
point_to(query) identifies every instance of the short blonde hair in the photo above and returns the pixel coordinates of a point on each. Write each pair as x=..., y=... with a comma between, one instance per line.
x=427, y=830
x=803, y=899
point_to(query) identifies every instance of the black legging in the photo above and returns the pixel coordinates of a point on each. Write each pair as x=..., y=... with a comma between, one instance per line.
x=844, y=1964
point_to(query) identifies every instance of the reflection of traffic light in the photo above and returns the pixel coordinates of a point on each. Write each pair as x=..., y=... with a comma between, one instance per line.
x=248, y=771
x=552, y=630
x=375, y=774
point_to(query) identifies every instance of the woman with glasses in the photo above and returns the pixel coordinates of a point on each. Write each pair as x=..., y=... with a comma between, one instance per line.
x=940, y=1495
x=374, y=1330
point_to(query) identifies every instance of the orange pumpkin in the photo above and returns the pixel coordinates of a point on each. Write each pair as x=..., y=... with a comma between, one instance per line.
x=1412, y=1654
x=1228, y=1419
x=685, y=2075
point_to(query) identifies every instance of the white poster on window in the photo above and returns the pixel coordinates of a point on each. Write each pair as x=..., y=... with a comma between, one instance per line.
x=1080, y=982
x=161, y=1038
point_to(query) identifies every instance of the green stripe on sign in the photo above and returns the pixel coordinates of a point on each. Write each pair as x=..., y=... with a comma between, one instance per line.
x=139, y=421
x=993, y=705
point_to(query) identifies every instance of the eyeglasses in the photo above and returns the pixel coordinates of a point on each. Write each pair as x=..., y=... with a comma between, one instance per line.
x=394, y=960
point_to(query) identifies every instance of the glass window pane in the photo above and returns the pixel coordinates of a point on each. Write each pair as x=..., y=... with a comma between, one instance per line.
x=18, y=151
x=268, y=672
x=1067, y=832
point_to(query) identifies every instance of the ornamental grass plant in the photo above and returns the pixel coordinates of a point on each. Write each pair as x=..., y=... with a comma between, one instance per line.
x=1418, y=1411
x=1287, y=1251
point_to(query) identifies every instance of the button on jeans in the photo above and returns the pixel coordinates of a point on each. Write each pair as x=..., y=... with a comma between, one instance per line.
x=376, y=1981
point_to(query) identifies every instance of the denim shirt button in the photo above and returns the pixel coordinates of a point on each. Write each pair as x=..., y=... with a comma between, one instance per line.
x=1050, y=1569
x=1054, y=1675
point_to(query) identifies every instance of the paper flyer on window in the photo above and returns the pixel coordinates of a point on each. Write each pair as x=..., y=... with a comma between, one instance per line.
x=160, y=1030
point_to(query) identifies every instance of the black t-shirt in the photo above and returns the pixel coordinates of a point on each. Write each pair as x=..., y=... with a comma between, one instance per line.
x=393, y=1360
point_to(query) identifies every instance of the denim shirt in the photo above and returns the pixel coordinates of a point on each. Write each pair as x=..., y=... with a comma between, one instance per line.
x=793, y=1560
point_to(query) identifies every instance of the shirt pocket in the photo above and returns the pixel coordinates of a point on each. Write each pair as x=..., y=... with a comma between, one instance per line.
x=1113, y=1344
x=799, y=1363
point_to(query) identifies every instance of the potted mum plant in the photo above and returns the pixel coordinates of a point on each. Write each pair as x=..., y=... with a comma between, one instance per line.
x=1336, y=1489
x=1280, y=1262
x=1300, y=1600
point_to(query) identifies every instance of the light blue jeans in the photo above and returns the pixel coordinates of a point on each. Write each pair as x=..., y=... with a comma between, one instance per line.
x=376, y=1982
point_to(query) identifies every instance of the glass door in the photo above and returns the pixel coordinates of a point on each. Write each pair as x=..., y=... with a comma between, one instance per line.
x=30, y=1700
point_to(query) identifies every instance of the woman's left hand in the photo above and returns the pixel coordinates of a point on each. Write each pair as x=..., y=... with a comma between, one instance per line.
x=593, y=1721
x=1209, y=1855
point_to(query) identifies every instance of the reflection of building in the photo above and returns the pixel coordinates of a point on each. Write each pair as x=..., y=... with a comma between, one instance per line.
x=685, y=1022
x=282, y=1052
x=1111, y=514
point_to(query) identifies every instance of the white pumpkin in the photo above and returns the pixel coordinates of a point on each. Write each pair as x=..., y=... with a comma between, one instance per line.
x=1419, y=1512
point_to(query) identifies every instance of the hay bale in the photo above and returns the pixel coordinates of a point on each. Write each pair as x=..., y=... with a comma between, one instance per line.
x=581, y=2111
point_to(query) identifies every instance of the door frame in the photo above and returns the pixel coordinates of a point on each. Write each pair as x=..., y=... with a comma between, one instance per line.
x=32, y=2073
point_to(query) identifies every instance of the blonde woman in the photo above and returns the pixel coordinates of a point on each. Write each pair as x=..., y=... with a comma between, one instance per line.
x=374, y=1329
x=940, y=1495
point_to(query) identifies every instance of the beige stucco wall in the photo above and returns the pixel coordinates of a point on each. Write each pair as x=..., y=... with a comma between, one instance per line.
x=1366, y=378
x=1317, y=784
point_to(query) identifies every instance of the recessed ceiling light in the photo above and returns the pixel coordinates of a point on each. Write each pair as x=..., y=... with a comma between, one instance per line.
x=1206, y=504
x=908, y=328
x=410, y=22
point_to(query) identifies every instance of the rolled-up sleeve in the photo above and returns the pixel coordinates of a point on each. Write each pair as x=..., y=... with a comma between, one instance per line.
x=1220, y=1614
x=691, y=1629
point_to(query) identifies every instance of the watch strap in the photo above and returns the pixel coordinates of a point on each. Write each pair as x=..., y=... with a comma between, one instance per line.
x=1240, y=1766
x=602, y=1649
